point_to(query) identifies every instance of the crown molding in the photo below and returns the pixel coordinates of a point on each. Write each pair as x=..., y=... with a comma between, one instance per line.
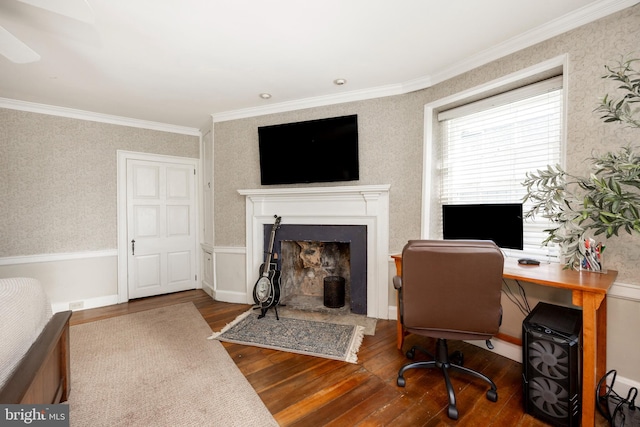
x=594, y=11
x=417, y=84
x=53, y=110
x=319, y=101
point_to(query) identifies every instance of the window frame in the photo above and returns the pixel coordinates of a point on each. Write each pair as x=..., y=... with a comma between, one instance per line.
x=430, y=191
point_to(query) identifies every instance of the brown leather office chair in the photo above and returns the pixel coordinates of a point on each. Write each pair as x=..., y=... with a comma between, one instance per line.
x=450, y=290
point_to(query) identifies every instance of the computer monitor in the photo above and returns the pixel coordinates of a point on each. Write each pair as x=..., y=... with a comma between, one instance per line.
x=500, y=222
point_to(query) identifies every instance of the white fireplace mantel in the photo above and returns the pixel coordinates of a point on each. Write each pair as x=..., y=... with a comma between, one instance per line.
x=344, y=205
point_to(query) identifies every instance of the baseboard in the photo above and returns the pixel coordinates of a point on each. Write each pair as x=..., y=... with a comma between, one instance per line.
x=623, y=385
x=209, y=290
x=503, y=348
x=392, y=313
x=84, y=304
x=231, y=296
x=104, y=301
x=514, y=352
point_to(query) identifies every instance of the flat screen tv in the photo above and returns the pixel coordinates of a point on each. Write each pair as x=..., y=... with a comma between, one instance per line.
x=324, y=150
x=500, y=222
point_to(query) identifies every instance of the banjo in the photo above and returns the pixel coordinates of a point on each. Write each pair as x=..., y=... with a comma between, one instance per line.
x=266, y=292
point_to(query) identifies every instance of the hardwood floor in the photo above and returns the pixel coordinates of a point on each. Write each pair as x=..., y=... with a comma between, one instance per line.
x=308, y=391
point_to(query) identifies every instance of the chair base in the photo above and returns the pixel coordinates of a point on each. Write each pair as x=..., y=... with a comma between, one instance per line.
x=445, y=363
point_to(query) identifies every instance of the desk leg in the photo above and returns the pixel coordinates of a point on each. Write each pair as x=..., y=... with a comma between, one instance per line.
x=400, y=336
x=399, y=328
x=590, y=303
x=601, y=344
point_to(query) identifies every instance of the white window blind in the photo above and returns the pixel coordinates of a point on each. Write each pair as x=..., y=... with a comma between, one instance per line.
x=487, y=147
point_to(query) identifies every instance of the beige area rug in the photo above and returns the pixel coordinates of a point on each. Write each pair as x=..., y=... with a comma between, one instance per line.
x=157, y=368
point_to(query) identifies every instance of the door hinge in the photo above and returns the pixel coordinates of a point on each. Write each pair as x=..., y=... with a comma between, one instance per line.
x=194, y=171
x=196, y=277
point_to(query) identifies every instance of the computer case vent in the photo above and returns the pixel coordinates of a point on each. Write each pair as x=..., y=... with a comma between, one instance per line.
x=551, y=363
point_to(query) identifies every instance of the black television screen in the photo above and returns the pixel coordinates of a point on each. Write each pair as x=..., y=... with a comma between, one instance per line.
x=500, y=222
x=322, y=150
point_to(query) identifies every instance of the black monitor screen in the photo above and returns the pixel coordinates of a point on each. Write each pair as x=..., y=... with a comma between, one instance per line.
x=500, y=222
x=324, y=150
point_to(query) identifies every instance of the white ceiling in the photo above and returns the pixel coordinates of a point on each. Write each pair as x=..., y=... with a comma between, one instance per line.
x=178, y=62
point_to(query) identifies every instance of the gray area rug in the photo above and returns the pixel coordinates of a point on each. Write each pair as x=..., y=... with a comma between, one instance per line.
x=339, y=316
x=310, y=337
x=157, y=368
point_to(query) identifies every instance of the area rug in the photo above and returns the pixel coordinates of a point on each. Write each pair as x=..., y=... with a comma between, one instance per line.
x=321, y=339
x=157, y=368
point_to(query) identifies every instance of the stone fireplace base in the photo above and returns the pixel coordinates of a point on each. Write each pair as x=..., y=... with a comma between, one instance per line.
x=304, y=267
x=308, y=253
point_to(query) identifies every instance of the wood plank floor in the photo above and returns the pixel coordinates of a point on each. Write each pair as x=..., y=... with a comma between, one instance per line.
x=308, y=391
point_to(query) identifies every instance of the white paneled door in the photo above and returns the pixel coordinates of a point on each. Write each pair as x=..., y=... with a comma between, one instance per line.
x=161, y=227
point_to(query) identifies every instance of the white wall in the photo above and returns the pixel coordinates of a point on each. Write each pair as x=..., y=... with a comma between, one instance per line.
x=71, y=281
x=230, y=277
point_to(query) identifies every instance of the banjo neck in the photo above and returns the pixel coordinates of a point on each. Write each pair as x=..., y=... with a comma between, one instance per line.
x=276, y=224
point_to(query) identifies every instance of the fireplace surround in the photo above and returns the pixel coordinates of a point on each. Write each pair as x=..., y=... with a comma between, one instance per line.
x=366, y=205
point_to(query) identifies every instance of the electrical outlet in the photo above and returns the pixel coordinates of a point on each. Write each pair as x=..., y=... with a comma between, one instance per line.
x=77, y=305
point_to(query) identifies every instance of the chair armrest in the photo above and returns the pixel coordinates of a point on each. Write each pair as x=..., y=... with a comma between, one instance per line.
x=397, y=282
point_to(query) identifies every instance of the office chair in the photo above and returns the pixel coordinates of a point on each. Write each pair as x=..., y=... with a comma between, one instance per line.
x=450, y=290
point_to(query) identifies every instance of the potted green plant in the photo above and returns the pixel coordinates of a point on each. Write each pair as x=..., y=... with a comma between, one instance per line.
x=606, y=201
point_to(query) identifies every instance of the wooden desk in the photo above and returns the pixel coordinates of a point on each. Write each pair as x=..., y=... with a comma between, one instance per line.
x=588, y=290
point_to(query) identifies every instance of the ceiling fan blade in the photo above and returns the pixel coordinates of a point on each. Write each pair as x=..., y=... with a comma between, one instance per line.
x=14, y=50
x=75, y=9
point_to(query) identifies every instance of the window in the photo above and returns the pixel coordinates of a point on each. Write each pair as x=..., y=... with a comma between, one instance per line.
x=485, y=149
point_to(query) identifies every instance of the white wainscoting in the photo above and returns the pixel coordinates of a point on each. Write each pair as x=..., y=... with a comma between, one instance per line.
x=86, y=279
x=90, y=278
x=229, y=283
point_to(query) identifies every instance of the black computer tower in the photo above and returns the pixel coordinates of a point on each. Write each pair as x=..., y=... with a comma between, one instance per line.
x=551, y=364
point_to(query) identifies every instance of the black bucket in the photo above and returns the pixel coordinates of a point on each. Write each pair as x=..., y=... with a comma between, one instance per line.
x=334, y=289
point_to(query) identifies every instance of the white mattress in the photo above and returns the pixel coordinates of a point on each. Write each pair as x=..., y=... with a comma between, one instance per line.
x=24, y=311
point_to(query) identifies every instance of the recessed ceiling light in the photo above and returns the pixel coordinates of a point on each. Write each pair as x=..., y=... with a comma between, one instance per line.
x=265, y=95
x=339, y=82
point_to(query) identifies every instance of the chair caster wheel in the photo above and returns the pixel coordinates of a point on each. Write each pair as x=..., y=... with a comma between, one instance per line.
x=411, y=354
x=457, y=358
x=401, y=382
x=492, y=395
x=452, y=412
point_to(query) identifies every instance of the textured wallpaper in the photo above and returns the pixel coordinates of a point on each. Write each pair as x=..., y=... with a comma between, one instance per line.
x=58, y=180
x=391, y=133
x=385, y=149
x=589, y=48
